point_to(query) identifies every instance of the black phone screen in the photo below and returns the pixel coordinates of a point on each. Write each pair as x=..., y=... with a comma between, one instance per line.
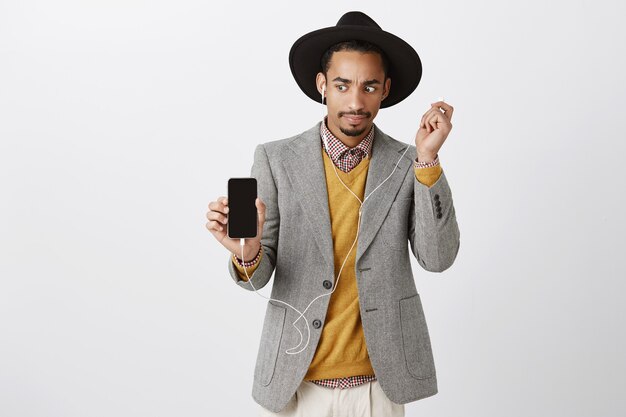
x=242, y=212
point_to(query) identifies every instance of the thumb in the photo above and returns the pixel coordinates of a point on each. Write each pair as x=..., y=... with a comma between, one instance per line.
x=260, y=207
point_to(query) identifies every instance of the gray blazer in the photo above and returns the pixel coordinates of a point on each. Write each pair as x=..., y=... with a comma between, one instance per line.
x=298, y=244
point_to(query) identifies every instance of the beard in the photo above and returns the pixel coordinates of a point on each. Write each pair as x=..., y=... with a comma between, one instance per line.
x=352, y=132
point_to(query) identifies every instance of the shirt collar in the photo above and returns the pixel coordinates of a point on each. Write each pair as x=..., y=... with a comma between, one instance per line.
x=338, y=149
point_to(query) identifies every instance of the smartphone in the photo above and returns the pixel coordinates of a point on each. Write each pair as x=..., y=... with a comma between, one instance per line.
x=242, y=212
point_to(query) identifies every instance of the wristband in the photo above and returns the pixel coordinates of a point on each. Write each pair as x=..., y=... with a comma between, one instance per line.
x=248, y=264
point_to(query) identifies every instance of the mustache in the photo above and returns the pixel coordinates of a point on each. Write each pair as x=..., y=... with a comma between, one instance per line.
x=366, y=114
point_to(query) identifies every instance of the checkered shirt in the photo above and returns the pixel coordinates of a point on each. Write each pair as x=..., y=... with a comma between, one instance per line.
x=347, y=382
x=343, y=157
x=433, y=163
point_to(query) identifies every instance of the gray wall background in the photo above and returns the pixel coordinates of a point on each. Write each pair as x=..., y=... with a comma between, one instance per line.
x=121, y=120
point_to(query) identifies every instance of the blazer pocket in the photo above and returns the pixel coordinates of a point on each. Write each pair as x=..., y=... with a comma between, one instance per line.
x=271, y=336
x=395, y=228
x=415, y=338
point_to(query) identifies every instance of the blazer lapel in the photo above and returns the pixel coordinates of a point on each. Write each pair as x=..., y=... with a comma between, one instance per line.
x=306, y=171
x=376, y=204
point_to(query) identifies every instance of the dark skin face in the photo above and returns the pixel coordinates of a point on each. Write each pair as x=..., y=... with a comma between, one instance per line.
x=355, y=86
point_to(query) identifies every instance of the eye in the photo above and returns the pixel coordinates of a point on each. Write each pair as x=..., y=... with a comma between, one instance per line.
x=372, y=88
x=339, y=87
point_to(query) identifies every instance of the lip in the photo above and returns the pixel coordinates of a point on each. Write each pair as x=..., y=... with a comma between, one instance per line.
x=353, y=119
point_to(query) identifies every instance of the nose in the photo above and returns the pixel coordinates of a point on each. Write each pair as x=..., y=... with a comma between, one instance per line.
x=356, y=99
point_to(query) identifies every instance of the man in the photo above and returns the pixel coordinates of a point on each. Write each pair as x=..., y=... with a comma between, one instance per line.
x=361, y=348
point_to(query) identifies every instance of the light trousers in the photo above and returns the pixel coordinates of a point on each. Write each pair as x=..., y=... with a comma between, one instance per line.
x=365, y=400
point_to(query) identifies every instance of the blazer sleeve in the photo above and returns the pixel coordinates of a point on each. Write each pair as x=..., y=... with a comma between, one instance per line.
x=267, y=192
x=433, y=230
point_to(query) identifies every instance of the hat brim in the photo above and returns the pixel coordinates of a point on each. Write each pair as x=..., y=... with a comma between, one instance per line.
x=405, y=65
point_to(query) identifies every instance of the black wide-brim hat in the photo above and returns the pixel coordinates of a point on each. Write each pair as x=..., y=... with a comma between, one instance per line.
x=405, y=69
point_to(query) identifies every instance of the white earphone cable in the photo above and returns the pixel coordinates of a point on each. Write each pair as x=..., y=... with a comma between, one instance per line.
x=242, y=243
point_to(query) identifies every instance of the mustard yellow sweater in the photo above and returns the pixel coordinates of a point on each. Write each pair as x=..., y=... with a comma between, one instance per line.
x=342, y=351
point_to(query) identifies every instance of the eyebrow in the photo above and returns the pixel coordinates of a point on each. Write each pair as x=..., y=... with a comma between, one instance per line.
x=346, y=81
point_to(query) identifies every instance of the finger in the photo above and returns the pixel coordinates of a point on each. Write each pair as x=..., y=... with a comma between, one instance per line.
x=219, y=205
x=437, y=106
x=426, y=117
x=443, y=116
x=447, y=109
x=441, y=122
x=214, y=226
x=435, y=118
x=432, y=122
x=217, y=216
x=224, y=202
x=428, y=114
x=260, y=205
x=218, y=208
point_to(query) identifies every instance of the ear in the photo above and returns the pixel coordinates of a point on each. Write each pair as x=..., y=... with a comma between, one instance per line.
x=320, y=81
x=386, y=88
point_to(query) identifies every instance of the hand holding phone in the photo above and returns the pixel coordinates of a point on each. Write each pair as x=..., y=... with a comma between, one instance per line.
x=236, y=216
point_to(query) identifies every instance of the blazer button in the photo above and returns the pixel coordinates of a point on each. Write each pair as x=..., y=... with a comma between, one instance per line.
x=327, y=284
x=317, y=324
x=439, y=215
x=436, y=197
x=437, y=203
x=438, y=210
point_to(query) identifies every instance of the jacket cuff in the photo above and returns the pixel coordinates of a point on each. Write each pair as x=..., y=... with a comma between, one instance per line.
x=428, y=176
